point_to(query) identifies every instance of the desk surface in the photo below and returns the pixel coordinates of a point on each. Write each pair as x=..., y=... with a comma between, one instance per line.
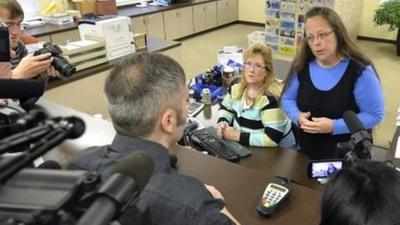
x=241, y=184
x=272, y=161
x=242, y=189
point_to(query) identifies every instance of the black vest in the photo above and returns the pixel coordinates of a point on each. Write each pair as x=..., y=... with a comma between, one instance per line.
x=331, y=104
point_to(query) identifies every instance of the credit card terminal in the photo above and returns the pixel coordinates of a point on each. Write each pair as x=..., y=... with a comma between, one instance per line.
x=274, y=195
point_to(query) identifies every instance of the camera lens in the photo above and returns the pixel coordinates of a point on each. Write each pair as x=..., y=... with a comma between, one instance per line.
x=62, y=66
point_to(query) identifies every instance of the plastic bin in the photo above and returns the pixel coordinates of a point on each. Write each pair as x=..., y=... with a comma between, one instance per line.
x=256, y=37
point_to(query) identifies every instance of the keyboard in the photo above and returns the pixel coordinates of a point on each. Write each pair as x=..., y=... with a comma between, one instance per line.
x=208, y=140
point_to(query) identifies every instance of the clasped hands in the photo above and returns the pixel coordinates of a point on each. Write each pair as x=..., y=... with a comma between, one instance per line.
x=314, y=125
x=227, y=132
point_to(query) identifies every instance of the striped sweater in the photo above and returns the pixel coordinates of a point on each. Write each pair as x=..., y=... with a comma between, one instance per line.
x=263, y=124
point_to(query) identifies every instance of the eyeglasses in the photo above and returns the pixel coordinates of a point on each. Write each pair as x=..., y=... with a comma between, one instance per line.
x=256, y=66
x=320, y=36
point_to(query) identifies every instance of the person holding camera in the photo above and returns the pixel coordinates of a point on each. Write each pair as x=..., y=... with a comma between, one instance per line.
x=23, y=65
x=328, y=77
x=250, y=112
x=366, y=193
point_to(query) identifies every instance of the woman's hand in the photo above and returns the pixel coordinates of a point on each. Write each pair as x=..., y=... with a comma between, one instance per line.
x=230, y=133
x=321, y=125
x=220, y=128
x=303, y=118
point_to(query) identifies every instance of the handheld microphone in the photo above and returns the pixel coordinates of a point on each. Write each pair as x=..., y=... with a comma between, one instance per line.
x=21, y=88
x=360, y=139
x=129, y=177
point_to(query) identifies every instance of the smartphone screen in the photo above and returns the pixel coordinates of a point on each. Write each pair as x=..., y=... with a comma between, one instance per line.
x=322, y=169
x=4, y=45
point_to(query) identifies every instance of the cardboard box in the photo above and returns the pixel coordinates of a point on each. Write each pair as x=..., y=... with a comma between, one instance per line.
x=106, y=7
x=85, y=6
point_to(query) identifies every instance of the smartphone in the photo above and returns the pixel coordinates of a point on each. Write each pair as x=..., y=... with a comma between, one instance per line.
x=323, y=168
x=4, y=45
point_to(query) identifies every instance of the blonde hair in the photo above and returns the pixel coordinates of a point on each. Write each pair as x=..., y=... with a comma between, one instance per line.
x=271, y=86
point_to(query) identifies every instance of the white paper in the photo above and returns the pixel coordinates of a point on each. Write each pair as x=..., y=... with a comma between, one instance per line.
x=397, y=152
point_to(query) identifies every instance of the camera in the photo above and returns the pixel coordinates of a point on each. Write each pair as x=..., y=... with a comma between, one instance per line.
x=59, y=62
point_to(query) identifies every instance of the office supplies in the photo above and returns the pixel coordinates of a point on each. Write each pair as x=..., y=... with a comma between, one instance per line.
x=85, y=53
x=194, y=108
x=59, y=19
x=274, y=195
x=116, y=32
x=36, y=21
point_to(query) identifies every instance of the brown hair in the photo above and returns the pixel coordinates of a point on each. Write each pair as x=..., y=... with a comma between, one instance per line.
x=345, y=46
x=270, y=86
x=13, y=7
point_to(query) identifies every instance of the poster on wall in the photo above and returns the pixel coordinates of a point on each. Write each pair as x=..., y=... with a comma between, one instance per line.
x=272, y=25
x=285, y=23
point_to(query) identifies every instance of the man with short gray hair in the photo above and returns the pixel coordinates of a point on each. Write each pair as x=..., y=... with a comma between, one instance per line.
x=147, y=96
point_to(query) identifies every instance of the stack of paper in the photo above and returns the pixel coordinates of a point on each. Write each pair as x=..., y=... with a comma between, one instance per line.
x=140, y=41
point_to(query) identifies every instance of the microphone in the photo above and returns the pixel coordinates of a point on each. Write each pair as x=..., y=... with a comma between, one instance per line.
x=50, y=164
x=21, y=88
x=360, y=139
x=129, y=177
x=137, y=165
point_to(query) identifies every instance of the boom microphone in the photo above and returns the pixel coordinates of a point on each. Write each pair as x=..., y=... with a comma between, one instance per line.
x=21, y=88
x=129, y=177
x=353, y=123
x=137, y=165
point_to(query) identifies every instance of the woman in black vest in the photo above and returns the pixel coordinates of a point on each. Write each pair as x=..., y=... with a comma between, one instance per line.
x=328, y=77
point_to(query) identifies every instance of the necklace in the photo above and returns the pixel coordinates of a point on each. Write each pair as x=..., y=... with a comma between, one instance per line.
x=251, y=100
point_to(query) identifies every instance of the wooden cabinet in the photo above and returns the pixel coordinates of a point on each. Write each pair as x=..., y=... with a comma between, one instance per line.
x=227, y=11
x=152, y=25
x=45, y=38
x=62, y=38
x=178, y=23
x=205, y=16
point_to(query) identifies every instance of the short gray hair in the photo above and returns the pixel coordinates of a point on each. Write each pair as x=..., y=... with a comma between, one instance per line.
x=139, y=87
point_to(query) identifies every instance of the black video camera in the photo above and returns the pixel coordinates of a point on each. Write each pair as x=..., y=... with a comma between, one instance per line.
x=59, y=62
x=357, y=148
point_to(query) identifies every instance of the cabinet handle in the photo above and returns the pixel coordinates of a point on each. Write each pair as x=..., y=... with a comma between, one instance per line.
x=177, y=14
x=204, y=8
x=144, y=20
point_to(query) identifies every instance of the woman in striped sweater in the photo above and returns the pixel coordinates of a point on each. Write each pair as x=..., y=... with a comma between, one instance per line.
x=250, y=112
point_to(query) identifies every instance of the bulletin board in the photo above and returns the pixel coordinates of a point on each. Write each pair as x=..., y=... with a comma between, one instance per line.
x=284, y=25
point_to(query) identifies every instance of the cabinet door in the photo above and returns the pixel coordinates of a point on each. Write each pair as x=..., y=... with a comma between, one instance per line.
x=199, y=18
x=139, y=24
x=222, y=12
x=155, y=25
x=45, y=38
x=172, y=21
x=232, y=8
x=211, y=15
x=62, y=38
x=186, y=21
